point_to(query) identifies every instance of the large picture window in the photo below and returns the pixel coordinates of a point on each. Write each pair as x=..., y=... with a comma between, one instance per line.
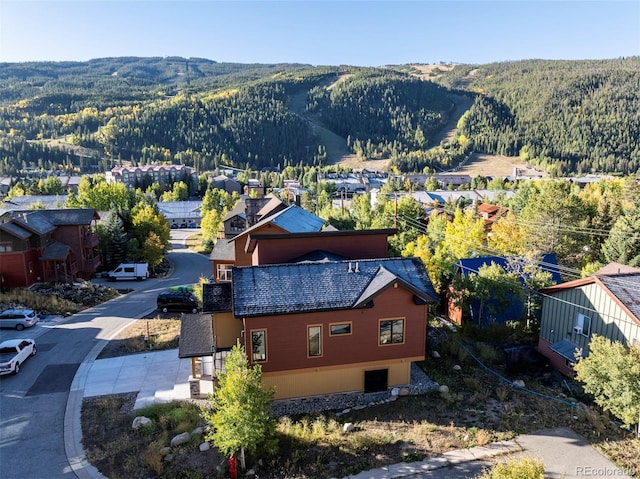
x=391, y=331
x=314, y=340
x=259, y=346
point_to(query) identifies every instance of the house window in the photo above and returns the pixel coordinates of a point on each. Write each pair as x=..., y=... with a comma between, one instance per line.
x=337, y=329
x=583, y=325
x=391, y=331
x=6, y=247
x=259, y=346
x=224, y=272
x=314, y=341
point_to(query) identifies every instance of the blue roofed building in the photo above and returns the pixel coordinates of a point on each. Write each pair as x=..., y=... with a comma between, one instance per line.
x=498, y=310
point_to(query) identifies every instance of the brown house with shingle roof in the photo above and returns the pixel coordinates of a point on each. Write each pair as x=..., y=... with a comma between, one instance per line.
x=48, y=245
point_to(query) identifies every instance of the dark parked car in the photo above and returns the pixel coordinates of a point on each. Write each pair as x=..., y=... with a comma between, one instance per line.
x=178, y=301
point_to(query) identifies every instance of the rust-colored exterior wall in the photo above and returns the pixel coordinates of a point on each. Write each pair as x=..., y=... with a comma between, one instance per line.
x=356, y=246
x=557, y=362
x=19, y=269
x=82, y=242
x=287, y=339
x=243, y=258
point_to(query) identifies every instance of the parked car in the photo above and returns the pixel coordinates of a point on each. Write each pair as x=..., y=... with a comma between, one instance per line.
x=14, y=352
x=174, y=226
x=183, y=225
x=18, y=318
x=178, y=301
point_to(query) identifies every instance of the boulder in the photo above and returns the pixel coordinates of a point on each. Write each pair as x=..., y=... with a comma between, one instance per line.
x=348, y=427
x=197, y=432
x=443, y=389
x=404, y=392
x=180, y=439
x=395, y=391
x=435, y=354
x=140, y=421
x=165, y=450
x=519, y=383
x=250, y=472
x=457, y=368
x=205, y=446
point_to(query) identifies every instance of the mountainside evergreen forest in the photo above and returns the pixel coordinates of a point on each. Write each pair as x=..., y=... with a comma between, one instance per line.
x=565, y=116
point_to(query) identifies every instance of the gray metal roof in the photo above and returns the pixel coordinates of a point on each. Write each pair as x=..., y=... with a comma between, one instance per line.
x=626, y=288
x=223, y=250
x=304, y=287
x=566, y=349
x=292, y=219
x=180, y=209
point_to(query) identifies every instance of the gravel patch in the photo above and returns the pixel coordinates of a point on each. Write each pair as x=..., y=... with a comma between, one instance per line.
x=420, y=384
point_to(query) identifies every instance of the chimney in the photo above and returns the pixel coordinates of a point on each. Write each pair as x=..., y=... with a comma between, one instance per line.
x=350, y=270
x=357, y=270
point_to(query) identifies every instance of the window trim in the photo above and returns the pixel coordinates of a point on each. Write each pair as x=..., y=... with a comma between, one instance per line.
x=392, y=320
x=341, y=323
x=309, y=355
x=580, y=320
x=266, y=356
x=226, y=269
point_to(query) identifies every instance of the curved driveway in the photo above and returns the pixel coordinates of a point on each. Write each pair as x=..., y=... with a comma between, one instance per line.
x=32, y=404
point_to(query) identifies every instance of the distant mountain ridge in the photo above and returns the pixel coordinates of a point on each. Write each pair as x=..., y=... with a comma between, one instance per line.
x=567, y=116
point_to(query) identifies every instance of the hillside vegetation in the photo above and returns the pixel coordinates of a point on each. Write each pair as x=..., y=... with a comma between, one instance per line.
x=566, y=116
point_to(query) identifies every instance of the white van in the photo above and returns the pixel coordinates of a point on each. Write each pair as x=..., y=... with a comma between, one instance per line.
x=137, y=271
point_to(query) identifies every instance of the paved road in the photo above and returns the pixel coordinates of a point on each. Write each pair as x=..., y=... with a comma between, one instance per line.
x=32, y=404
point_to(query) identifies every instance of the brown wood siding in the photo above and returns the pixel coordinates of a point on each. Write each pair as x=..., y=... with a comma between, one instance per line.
x=607, y=317
x=227, y=329
x=287, y=334
x=355, y=246
x=318, y=381
x=243, y=258
x=15, y=271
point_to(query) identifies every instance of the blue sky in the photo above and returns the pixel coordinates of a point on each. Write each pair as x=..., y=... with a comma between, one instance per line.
x=364, y=32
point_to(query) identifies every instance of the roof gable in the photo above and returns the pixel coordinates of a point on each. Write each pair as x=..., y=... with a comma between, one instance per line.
x=304, y=287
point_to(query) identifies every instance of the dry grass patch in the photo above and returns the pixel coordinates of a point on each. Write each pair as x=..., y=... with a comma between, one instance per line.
x=144, y=335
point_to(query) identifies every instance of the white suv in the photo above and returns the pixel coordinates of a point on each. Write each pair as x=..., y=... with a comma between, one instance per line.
x=18, y=318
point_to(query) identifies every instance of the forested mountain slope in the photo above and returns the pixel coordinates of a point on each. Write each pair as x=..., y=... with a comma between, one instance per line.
x=566, y=116
x=571, y=116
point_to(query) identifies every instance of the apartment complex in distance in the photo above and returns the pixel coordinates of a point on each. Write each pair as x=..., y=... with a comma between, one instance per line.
x=133, y=176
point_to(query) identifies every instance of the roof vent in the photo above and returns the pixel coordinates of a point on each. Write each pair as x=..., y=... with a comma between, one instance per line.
x=350, y=270
x=357, y=270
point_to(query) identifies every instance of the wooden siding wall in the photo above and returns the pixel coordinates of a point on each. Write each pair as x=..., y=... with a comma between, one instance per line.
x=607, y=317
x=317, y=381
x=15, y=271
x=243, y=258
x=287, y=334
x=227, y=329
x=353, y=247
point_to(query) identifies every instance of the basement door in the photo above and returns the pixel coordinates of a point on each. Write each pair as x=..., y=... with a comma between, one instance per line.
x=376, y=380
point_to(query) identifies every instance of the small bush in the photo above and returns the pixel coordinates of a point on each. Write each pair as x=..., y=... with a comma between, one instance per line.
x=525, y=468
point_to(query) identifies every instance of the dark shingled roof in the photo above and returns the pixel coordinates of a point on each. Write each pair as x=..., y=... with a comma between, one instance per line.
x=625, y=287
x=216, y=297
x=196, y=336
x=55, y=251
x=304, y=287
x=45, y=221
x=15, y=230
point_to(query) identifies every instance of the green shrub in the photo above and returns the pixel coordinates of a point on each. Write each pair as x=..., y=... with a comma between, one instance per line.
x=525, y=468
